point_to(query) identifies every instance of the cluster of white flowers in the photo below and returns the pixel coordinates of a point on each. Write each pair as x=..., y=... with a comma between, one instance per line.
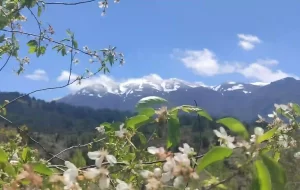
x=177, y=168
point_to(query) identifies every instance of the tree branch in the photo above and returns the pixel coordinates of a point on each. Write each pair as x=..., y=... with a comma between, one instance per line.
x=64, y=3
x=5, y=62
x=76, y=146
x=47, y=38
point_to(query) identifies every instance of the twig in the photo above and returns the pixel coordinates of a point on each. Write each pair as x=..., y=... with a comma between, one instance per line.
x=223, y=181
x=163, y=161
x=49, y=88
x=76, y=146
x=64, y=3
x=39, y=25
x=47, y=38
x=5, y=62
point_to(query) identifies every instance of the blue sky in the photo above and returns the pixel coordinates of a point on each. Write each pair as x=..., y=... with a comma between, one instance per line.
x=204, y=41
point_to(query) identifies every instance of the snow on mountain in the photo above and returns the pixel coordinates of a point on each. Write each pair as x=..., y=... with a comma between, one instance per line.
x=150, y=83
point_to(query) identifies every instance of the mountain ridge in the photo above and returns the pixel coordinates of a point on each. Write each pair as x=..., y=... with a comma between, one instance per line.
x=241, y=100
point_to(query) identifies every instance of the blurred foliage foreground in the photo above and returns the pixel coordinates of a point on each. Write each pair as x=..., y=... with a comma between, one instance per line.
x=122, y=158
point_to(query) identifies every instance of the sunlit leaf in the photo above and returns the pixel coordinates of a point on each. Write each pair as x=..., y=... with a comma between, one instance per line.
x=173, y=130
x=296, y=109
x=235, y=126
x=203, y=113
x=42, y=169
x=142, y=137
x=9, y=169
x=3, y=156
x=147, y=111
x=136, y=121
x=267, y=135
x=149, y=101
x=32, y=44
x=263, y=176
x=277, y=173
x=25, y=153
x=213, y=155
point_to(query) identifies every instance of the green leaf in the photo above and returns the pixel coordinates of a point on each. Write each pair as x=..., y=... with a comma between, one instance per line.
x=32, y=44
x=136, y=121
x=75, y=44
x=147, y=111
x=2, y=37
x=9, y=169
x=213, y=155
x=146, y=102
x=276, y=156
x=142, y=137
x=63, y=51
x=42, y=169
x=107, y=126
x=267, y=135
x=41, y=51
x=30, y=3
x=186, y=108
x=39, y=11
x=276, y=172
x=296, y=109
x=24, y=154
x=3, y=156
x=235, y=126
x=263, y=176
x=203, y=113
x=173, y=130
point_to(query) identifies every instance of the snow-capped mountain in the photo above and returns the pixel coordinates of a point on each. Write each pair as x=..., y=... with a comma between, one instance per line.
x=241, y=100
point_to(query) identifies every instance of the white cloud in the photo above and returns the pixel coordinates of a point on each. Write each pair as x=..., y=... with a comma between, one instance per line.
x=247, y=41
x=259, y=71
x=204, y=63
x=104, y=80
x=64, y=76
x=38, y=74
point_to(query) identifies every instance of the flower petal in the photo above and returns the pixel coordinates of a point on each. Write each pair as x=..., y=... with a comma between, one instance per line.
x=152, y=150
x=111, y=159
x=91, y=173
x=94, y=155
x=70, y=165
x=104, y=182
x=99, y=161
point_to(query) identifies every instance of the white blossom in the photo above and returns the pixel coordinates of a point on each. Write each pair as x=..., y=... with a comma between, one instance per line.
x=15, y=159
x=225, y=139
x=178, y=182
x=122, y=185
x=104, y=180
x=70, y=176
x=154, y=150
x=168, y=169
x=103, y=4
x=186, y=149
x=121, y=132
x=101, y=129
x=99, y=156
x=297, y=155
x=258, y=131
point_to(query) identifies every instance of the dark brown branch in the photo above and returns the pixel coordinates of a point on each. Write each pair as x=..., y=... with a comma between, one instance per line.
x=64, y=3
